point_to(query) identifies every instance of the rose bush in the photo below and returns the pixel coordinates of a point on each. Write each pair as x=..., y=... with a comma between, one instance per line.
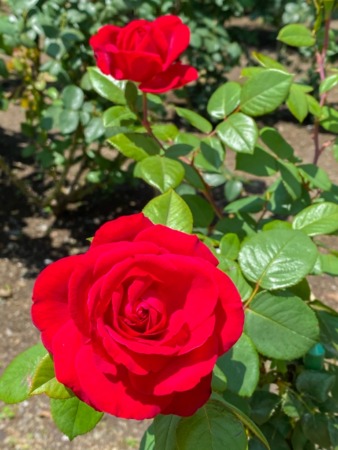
x=136, y=324
x=145, y=52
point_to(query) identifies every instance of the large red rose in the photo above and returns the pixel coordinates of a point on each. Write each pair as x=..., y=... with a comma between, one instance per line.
x=145, y=52
x=135, y=324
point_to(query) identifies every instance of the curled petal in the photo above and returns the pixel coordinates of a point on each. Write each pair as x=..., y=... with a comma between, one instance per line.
x=125, y=228
x=176, y=76
x=176, y=34
x=176, y=242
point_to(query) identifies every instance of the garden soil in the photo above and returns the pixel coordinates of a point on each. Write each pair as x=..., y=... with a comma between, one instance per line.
x=30, y=240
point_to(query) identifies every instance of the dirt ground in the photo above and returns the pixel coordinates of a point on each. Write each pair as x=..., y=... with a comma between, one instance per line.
x=29, y=241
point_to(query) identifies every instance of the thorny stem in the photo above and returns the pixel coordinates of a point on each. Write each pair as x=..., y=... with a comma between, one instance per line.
x=321, y=60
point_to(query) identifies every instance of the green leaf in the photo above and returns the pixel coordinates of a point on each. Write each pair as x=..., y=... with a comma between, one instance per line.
x=268, y=62
x=276, y=259
x=276, y=225
x=193, y=177
x=212, y=427
x=177, y=150
x=292, y=404
x=315, y=428
x=251, y=204
x=233, y=189
x=148, y=439
x=281, y=202
x=229, y=246
x=321, y=218
x=314, y=106
x=188, y=139
x=315, y=384
x=68, y=121
x=244, y=419
x=113, y=116
x=165, y=132
x=263, y=405
x=135, y=145
x=195, y=119
x=297, y=102
x=241, y=367
x=316, y=176
x=296, y=35
x=239, y=132
x=291, y=179
x=44, y=381
x=165, y=432
x=202, y=211
x=329, y=264
x=106, y=86
x=241, y=224
x=232, y=269
x=224, y=100
x=276, y=143
x=72, y=97
x=260, y=163
x=333, y=432
x=328, y=84
x=73, y=417
x=160, y=172
x=211, y=157
x=15, y=382
x=273, y=325
x=329, y=120
x=94, y=130
x=264, y=92
x=131, y=94
x=328, y=332
x=169, y=209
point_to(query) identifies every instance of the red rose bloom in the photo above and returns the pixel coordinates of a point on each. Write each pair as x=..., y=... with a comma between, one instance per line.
x=135, y=324
x=145, y=52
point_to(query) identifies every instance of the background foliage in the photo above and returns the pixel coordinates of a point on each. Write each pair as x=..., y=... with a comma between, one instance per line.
x=278, y=386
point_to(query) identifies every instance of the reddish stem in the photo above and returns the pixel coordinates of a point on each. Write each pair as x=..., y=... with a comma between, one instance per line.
x=321, y=61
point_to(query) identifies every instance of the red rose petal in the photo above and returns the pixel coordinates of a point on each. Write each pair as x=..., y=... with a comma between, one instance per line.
x=176, y=34
x=135, y=66
x=125, y=228
x=111, y=395
x=176, y=76
x=185, y=404
x=50, y=298
x=107, y=35
x=182, y=373
x=229, y=313
x=66, y=345
x=176, y=242
x=131, y=34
